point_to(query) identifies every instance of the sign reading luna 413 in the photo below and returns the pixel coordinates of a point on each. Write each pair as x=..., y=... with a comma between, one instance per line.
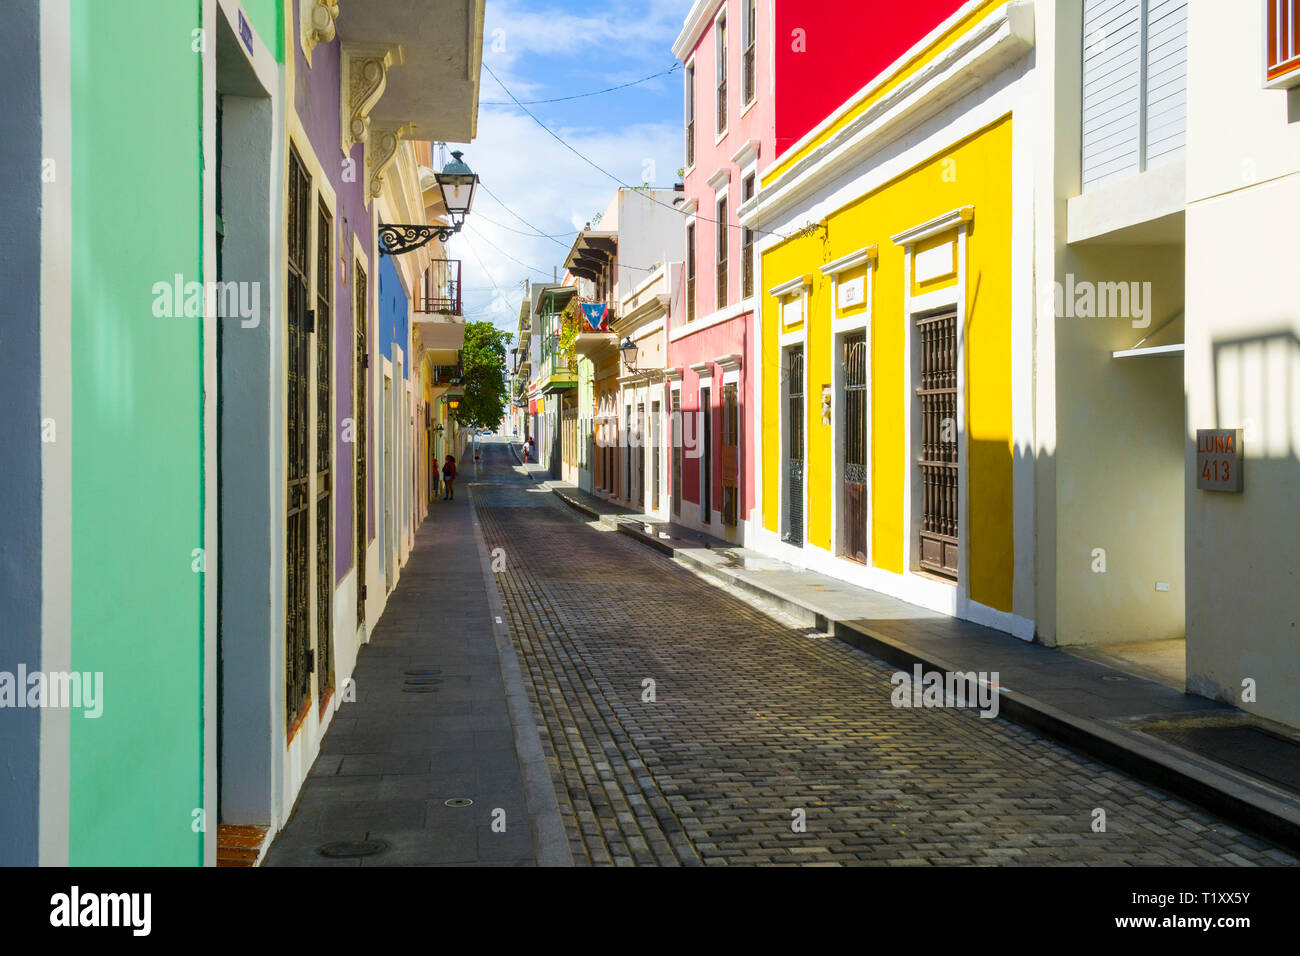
x=1218, y=459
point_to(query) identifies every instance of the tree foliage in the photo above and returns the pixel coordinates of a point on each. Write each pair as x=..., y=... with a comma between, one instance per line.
x=484, y=362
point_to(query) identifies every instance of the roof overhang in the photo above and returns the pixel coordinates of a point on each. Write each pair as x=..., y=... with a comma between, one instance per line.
x=591, y=252
x=435, y=88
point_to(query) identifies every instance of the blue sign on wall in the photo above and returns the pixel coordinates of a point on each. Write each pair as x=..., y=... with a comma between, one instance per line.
x=245, y=32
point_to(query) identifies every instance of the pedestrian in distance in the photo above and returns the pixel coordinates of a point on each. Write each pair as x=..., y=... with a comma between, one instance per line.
x=449, y=477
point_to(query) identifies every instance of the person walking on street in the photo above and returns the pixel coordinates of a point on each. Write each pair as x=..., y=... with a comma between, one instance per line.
x=449, y=477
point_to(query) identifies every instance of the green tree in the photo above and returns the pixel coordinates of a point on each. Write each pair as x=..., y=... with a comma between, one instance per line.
x=484, y=362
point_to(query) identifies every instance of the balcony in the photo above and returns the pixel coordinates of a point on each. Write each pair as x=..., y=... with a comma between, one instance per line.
x=554, y=371
x=449, y=376
x=440, y=289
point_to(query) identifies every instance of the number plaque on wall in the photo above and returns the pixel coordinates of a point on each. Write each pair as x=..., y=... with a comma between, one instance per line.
x=1218, y=459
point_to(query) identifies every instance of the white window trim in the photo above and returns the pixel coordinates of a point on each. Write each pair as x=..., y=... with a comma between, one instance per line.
x=914, y=306
x=721, y=196
x=783, y=452
x=933, y=227
x=730, y=365
x=841, y=328
x=705, y=372
x=748, y=38
x=721, y=69
x=786, y=290
x=746, y=156
x=690, y=94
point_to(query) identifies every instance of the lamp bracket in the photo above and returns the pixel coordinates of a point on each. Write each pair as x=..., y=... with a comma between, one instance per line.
x=396, y=238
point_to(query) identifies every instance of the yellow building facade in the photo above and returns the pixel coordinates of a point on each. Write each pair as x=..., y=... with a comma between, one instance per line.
x=896, y=277
x=977, y=279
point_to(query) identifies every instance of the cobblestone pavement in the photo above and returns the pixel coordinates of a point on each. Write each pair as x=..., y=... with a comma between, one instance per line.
x=757, y=721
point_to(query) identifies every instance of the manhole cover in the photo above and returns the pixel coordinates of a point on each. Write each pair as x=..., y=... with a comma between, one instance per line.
x=421, y=689
x=423, y=671
x=361, y=848
x=459, y=802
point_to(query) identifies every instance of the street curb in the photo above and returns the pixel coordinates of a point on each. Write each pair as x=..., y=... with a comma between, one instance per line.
x=550, y=841
x=1238, y=798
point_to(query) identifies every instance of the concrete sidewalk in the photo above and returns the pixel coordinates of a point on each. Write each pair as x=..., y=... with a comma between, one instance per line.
x=1200, y=750
x=440, y=715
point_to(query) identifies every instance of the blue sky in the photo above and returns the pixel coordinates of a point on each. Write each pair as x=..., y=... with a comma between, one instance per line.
x=542, y=50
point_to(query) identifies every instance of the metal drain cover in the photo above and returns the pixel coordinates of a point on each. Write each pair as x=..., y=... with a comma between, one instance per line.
x=423, y=671
x=360, y=848
x=423, y=680
x=420, y=689
x=459, y=802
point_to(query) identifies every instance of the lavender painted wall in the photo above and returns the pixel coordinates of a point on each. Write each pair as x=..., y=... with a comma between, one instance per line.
x=316, y=98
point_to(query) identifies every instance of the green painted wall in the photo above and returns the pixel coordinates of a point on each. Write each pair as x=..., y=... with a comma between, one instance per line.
x=267, y=18
x=137, y=433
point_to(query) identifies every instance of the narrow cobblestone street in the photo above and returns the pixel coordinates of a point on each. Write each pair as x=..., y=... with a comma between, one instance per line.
x=755, y=719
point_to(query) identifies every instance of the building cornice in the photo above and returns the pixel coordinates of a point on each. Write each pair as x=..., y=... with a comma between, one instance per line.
x=934, y=227
x=797, y=284
x=747, y=153
x=853, y=259
x=700, y=16
x=974, y=57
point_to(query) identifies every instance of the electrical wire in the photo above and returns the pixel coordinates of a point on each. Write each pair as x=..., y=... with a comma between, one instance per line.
x=605, y=172
x=502, y=203
x=508, y=255
x=577, y=96
x=474, y=253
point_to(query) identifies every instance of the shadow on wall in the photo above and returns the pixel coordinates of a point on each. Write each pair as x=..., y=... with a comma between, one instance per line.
x=1243, y=549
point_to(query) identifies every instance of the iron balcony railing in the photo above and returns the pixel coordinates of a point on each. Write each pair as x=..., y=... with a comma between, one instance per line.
x=450, y=374
x=440, y=289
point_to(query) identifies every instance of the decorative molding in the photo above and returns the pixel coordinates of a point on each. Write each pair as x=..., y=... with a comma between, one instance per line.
x=702, y=368
x=735, y=310
x=845, y=263
x=673, y=374
x=381, y=149
x=796, y=284
x=747, y=153
x=728, y=363
x=721, y=177
x=974, y=57
x=699, y=17
x=949, y=220
x=689, y=207
x=317, y=24
x=363, y=75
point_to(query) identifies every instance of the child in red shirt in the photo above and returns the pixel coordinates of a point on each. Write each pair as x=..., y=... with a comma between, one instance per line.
x=449, y=477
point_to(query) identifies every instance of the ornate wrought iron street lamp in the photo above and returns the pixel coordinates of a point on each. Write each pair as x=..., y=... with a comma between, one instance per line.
x=630, y=352
x=457, y=183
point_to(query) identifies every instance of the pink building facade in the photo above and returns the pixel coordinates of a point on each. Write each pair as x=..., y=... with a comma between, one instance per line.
x=712, y=341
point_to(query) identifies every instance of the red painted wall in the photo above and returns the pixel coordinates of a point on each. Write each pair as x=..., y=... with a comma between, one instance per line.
x=845, y=45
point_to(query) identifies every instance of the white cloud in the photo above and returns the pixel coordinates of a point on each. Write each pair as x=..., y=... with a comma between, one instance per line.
x=552, y=189
x=617, y=32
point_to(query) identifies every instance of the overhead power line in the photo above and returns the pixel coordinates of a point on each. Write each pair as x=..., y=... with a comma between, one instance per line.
x=602, y=170
x=541, y=272
x=577, y=96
